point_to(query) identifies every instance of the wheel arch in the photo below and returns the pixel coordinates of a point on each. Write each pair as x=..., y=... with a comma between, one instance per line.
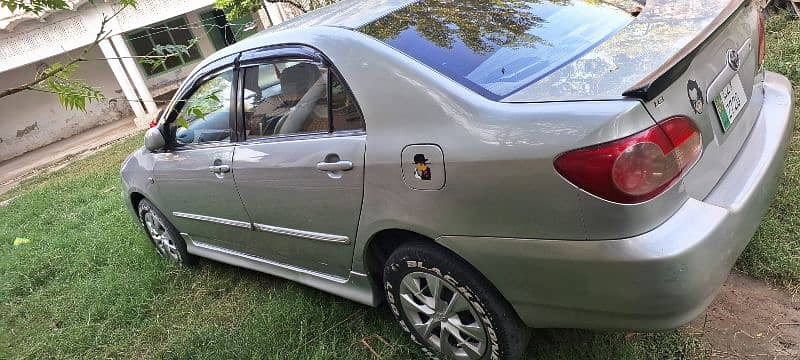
x=134, y=198
x=381, y=245
x=384, y=242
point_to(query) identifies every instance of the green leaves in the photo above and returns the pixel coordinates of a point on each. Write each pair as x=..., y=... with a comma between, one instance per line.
x=34, y=6
x=161, y=53
x=39, y=6
x=235, y=9
x=72, y=93
x=57, y=78
x=198, y=107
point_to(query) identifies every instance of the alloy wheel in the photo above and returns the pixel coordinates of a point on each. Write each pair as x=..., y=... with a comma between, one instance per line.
x=442, y=316
x=165, y=244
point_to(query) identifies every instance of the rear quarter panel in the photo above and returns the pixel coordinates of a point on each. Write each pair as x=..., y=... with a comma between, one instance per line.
x=500, y=179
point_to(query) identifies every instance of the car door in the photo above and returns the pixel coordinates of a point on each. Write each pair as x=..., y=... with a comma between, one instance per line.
x=194, y=175
x=300, y=163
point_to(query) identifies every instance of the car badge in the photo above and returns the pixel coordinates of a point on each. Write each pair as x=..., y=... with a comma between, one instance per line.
x=659, y=101
x=734, y=62
x=695, y=96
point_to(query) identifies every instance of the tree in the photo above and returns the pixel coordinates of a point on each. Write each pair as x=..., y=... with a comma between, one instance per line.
x=57, y=78
x=479, y=24
x=75, y=93
x=235, y=9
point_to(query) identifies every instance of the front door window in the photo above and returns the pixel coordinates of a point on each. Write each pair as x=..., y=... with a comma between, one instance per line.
x=205, y=115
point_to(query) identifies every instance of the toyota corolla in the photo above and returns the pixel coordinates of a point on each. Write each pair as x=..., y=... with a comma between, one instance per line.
x=482, y=167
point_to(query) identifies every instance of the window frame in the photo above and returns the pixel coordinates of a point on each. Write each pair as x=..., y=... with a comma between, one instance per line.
x=190, y=87
x=164, y=69
x=286, y=53
x=242, y=73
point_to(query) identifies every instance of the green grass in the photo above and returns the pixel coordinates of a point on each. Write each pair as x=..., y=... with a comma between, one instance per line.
x=89, y=284
x=774, y=252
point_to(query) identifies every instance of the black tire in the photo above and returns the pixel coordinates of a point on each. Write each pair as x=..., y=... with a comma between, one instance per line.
x=169, y=244
x=506, y=335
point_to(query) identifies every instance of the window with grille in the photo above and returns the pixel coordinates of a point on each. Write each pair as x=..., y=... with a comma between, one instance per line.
x=172, y=32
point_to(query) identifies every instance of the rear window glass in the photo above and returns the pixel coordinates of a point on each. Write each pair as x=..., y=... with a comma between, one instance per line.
x=498, y=47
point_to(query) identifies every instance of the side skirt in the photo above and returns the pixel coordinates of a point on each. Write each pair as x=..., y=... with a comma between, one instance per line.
x=356, y=288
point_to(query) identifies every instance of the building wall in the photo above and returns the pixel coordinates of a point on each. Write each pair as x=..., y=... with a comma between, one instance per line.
x=170, y=80
x=30, y=119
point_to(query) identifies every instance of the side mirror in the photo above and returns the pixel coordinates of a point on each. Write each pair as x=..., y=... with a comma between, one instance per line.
x=153, y=139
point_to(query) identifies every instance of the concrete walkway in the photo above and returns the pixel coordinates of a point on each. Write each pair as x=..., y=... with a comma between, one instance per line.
x=13, y=171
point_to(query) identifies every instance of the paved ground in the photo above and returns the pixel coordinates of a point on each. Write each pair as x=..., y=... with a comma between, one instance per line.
x=14, y=170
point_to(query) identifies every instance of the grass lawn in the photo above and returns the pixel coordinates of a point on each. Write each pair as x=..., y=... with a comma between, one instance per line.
x=89, y=284
x=774, y=253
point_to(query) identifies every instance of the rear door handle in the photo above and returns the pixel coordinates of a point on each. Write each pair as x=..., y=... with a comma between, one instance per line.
x=220, y=169
x=341, y=165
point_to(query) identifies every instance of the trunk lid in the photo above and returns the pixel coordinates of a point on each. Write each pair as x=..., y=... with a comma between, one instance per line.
x=724, y=63
x=643, y=58
x=675, y=58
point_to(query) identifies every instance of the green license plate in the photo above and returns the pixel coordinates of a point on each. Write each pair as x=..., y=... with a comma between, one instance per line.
x=730, y=102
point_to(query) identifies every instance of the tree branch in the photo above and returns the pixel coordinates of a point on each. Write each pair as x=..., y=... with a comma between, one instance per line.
x=294, y=3
x=102, y=34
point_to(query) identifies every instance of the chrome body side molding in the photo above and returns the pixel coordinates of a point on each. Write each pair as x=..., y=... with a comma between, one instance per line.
x=302, y=234
x=267, y=228
x=236, y=223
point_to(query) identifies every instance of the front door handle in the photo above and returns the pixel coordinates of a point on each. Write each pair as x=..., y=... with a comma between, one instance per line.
x=219, y=169
x=341, y=165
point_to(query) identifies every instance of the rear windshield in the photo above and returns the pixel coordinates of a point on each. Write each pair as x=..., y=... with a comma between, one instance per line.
x=498, y=47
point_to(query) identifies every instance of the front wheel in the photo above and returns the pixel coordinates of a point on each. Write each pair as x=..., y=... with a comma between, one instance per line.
x=167, y=240
x=450, y=308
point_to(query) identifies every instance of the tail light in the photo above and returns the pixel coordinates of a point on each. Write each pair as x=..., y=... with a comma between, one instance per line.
x=636, y=168
x=762, y=41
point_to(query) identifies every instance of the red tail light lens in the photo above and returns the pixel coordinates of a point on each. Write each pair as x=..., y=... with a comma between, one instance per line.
x=762, y=40
x=636, y=168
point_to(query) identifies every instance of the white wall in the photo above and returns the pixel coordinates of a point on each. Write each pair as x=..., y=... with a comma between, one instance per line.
x=32, y=40
x=29, y=120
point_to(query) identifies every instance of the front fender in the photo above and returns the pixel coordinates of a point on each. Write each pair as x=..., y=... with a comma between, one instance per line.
x=136, y=177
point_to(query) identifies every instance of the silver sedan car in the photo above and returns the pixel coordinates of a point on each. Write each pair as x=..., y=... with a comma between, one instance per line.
x=482, y=167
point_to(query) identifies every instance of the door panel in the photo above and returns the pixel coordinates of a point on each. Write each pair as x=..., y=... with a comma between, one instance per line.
x=199, y=197
x=303, y=216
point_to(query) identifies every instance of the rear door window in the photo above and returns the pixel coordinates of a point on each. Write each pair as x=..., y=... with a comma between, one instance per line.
x=285, y=98
x=344, y=109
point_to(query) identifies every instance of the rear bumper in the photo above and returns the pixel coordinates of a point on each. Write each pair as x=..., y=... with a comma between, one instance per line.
x=658, y=280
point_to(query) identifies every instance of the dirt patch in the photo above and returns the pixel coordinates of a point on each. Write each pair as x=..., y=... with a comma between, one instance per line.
x=750, y=320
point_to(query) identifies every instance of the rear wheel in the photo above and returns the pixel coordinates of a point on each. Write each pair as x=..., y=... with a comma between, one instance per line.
x=168, y=242
x=449, y=308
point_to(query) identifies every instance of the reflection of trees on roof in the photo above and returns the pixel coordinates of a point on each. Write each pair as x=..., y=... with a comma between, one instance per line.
x=481, y=25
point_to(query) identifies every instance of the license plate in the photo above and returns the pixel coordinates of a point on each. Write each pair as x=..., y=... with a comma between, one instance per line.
x=730, y=102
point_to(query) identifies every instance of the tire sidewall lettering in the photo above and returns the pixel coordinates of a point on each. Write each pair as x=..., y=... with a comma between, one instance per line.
x=413, y=265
